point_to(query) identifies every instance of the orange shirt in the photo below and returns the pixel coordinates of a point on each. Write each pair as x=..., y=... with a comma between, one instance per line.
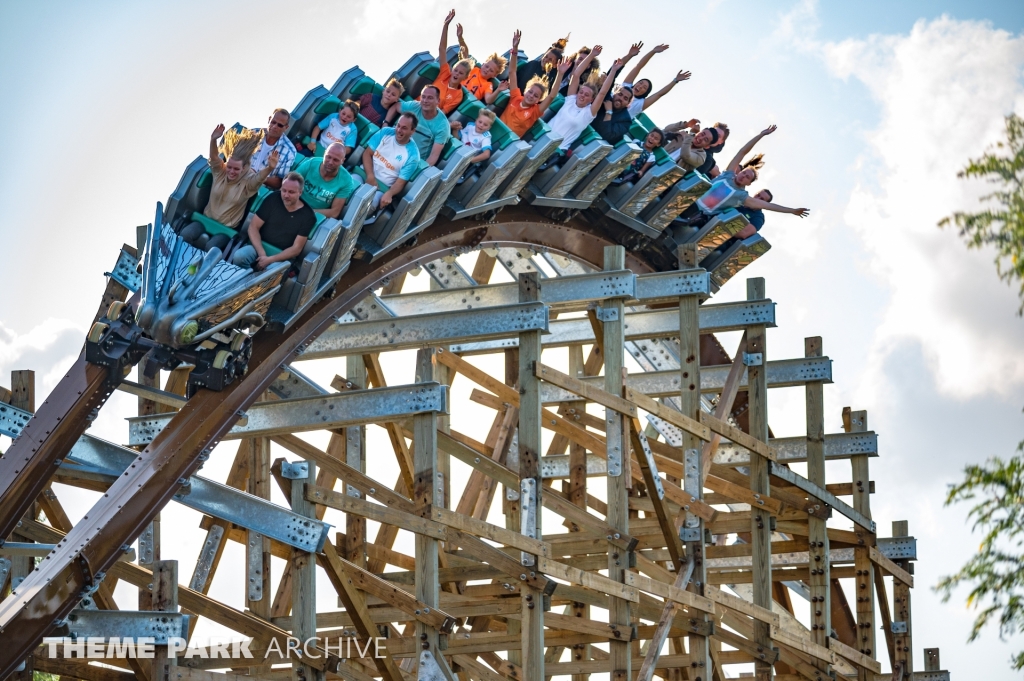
x=450, y=97
x=518, y=119
x=477, y=84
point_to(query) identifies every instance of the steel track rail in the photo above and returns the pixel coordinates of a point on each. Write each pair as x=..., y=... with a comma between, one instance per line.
x=77, y=563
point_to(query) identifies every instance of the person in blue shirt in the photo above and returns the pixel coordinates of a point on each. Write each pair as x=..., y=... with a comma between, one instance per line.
x=391, y=159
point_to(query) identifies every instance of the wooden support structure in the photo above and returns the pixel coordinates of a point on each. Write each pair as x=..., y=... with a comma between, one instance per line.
x=675, y=537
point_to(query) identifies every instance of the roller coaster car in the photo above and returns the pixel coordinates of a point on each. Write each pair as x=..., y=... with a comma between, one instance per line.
x=726, y=262
x=315, y=105
x=392, y=226
x=479, y=191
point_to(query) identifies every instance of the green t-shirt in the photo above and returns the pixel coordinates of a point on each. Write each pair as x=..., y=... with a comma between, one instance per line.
x=428, y=132
x=319, y=193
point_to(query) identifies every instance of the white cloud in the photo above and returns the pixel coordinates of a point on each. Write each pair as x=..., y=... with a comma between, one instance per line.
x=942, y=93
x=49, y=348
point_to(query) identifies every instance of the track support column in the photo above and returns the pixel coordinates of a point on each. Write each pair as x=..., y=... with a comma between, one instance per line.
x=820, y=580
x=864, y=584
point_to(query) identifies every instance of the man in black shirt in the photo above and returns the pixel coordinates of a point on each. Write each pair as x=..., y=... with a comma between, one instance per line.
x=613, y=124
x=283, y=221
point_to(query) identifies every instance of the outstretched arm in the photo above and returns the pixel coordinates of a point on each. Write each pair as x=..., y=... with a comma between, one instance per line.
x=631, y=76
x=463, y=47
x=563, y=67
x=605, y=87
x=443, y=49
x=513, y=60
x=680, y=77
x=634, y=50
x=581, y=68
x=734, y=164
x=215, y=161
x=758, y=204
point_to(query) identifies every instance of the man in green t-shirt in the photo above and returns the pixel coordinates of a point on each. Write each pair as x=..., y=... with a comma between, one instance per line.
x=327, y=184
x=433, y=130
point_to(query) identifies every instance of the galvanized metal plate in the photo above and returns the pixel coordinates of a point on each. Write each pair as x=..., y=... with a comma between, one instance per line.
x=669, y=285
x=12, y=420
x=794, y=449
x=897, y=548
x=125, y=272
x=106, y=624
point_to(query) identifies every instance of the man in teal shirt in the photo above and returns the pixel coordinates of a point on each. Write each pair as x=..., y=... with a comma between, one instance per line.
x=327, y=184
x=432, y=131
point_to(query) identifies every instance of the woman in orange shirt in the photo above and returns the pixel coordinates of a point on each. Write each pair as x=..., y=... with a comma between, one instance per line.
x=525, y=108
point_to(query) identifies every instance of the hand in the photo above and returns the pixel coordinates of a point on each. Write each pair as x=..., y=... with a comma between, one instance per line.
x=263, y=262
x=634, y=49
x=564, y=65
x=617, y=64
x=385, y=200
x=769, y=130
x=596, y=51
x=448, y=19
x=515, y=39
x=455, y=126
x=458, y=31
x=217, y=132
x=691, y=124
x=800, y=212
x=658, y=49
x=312, y=145
x=274, y=157
x=502, y=86
x=371, y=180
x=682, y=75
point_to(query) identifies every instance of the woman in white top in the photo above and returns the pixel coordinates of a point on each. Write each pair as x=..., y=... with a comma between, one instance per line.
x=582, y=103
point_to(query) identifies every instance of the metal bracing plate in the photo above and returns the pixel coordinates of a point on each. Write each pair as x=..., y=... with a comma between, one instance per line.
x=255, y=514
x=125, y=272
x=147, y=554
x=370, y=307
x=557, y=467
x=5, y=570
x=789, y=559
x=897, y=548
x=293, y=383
x=517, y=261
x=207, y=555
x=448, y=273
x=12, y=420
x=338, y=410
x=643, y=325
x=215, y=499
x=784, y=473
x=781, y=374
x=898, y=627
x=929, y=676
x=528, y=515
x=254, y=566
x=421, y=330
x=794, y=449
x=667, y=286
x=106, y=624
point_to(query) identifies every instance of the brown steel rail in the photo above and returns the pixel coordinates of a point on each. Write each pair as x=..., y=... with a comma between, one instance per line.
x=92, y=547
x=28, y=464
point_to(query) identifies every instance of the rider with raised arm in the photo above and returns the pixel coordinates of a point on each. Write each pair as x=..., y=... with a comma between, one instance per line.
x=480, y=77
x=614, y=124
x=642, y=97
x=582, y=103
x=450, y=79
x=729, y=188
x=525, y=107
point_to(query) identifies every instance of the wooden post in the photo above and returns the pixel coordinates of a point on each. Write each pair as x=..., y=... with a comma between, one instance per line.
x=578, y=496
x=257, y=548
x=165, y=599
x=689, y=400
x=617, y=433
x=931, y=660
x=303, y=571
x=857, y=422
x=817, y=537
x=532, y=622
x=510, y=495
x=23, y=396
x=760, y=520
x=355, y=448
x=901, y=607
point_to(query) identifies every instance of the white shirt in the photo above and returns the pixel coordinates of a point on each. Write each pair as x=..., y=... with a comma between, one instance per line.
x=570, y=121
x=636, y=105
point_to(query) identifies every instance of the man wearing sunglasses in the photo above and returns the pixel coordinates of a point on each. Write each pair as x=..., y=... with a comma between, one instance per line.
x=274, y=139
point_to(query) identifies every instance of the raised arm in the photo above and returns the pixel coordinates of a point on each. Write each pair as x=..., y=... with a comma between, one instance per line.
x=631, y=76
x=563, y=68
x=463, y=47
x=513, y=60
x=581, y=68
x=491, y=96
x=216, y=163
x=680, y=77
x=606, y=86
x=443, y=49
x=758, y=204
x=634, y=50
x=734, y=164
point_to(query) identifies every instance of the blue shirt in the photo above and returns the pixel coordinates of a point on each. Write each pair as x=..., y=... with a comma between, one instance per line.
x=391, y=160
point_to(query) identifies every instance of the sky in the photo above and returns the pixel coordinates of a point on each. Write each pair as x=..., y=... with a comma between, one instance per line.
x=878, y=105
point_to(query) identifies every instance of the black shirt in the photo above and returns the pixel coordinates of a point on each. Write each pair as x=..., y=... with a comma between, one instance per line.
x=754, y=216
x=280, y=227
x=527, y=71
x=614, y=128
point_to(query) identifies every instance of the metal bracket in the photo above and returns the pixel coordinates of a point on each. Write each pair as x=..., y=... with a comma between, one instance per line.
x=528, y=515
x=897, y=548
x=5, y=569
x=205, y=561
x=898, y=627
x=753, y=359
x=294, y=471
x=652, y=465
x=160, y=626
x=687, y=534
x=254, y=566
x=428, y=669
x=146, y=546
x=607, y=314
x=12, y=420
x=125, y=272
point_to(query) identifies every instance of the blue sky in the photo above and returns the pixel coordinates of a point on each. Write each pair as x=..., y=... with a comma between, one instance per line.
x=878, y=105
